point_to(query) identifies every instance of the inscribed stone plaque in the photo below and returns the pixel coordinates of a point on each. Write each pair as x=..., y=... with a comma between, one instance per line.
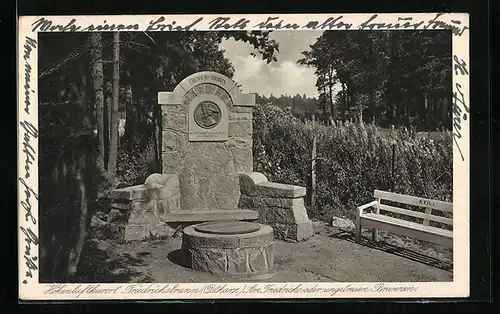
x=208, y=113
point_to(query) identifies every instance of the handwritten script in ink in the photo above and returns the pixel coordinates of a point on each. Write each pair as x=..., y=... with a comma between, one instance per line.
x=28, y=155
x=459, y=103
x=28, y=48
x=225, y=289
x=270, y=23
x=30, y=132
x=29, y=239
x=373, y=23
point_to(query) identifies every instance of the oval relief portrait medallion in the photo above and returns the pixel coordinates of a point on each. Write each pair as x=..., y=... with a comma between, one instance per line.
x=207, y=114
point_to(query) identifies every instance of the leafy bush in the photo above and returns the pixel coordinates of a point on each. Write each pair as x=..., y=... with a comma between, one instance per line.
x=352, y=161
x=136, y=161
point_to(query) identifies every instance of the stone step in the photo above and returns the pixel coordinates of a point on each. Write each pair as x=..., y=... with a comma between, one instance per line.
x=200, y=216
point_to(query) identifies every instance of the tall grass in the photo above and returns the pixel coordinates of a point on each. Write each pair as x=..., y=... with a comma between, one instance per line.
x=352, y=161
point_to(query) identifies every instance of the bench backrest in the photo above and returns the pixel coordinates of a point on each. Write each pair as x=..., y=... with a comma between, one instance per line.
x=428, y=204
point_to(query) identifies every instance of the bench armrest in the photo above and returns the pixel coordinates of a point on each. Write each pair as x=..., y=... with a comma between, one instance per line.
x=361, y=208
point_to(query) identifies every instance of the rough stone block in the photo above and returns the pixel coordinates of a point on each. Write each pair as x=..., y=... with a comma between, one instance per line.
x=299, y=210
x=210, y=201
x=270, y=201
x=227, y=202
x=122, y=206
x=272, y=189
x=269, y=250
x=242, y=109
x=156, y=179
x=171, y=187
x=240, y=116
x=174, y=119
x=343, y=224
x=114, y=216
x=141, y=205
x=212, y=261
x=243, y=100
x=242, y=158
x=300, y=231
x=240, y=128
x=169, y=98
x=225, y=185
x=188, y=97
x=218, y=153
x=248, y=182
x=169, y=141
x=172, y=161
x=209, y=243
x=188, y=183
x=257, y=261
x=204, y=185
x=163, y=207
x=129, y=193
x=260, y=241
x=236, y=262
x=143, y=218
x=280, y=231
x=277, y=215
x=193, y=202
x=246, y=202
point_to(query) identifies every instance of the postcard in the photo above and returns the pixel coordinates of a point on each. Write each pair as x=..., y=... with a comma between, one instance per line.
x=260, y=156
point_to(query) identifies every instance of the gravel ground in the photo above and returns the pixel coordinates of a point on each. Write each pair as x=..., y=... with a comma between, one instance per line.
x=331, y=255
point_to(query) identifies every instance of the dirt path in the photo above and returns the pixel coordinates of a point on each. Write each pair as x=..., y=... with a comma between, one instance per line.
x=331, y=255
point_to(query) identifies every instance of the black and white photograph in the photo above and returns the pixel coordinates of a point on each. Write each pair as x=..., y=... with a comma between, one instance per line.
x=281, y=157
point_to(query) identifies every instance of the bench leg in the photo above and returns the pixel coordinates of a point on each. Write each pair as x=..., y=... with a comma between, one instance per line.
x=375, y=235
x=358, y=227
x=358, y=234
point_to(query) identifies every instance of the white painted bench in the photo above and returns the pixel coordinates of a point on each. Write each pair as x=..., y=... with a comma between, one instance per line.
x=372, y=216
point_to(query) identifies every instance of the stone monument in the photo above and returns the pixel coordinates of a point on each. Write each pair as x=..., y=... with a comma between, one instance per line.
x=208, y=168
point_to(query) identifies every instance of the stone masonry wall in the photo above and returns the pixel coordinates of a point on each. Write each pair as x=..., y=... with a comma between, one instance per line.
x=138, y=212
x=206, y=169
x=279, y=205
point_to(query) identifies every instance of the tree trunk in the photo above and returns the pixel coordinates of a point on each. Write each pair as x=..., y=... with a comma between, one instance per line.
x=113, y=142
x=83, y=189
x=130, y=116
x=98, y=81
x=75, y=253
x=107, y=117
x=344, y=97
x=330, y=94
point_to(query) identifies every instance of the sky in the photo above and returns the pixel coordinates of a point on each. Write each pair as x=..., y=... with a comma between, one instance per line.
x=284, y=77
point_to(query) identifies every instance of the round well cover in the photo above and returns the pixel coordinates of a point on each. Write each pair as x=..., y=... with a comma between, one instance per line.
x=228, y=227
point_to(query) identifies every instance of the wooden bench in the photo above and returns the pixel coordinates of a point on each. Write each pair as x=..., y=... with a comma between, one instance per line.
x=372, y=216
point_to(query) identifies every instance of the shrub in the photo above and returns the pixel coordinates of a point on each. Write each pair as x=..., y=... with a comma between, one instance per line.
x=136, y=161
x=352, y=161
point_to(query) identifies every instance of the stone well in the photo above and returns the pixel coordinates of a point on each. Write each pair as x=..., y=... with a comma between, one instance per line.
x=229, y=247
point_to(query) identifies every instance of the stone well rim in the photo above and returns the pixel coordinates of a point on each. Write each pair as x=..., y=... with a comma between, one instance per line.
x=193, y=238
x=227, y=227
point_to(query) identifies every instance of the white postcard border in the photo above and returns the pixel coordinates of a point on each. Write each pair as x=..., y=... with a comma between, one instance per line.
x=30, y=26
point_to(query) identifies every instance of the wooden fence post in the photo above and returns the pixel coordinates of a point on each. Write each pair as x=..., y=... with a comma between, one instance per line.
x=393, y=166
x=313, y=173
